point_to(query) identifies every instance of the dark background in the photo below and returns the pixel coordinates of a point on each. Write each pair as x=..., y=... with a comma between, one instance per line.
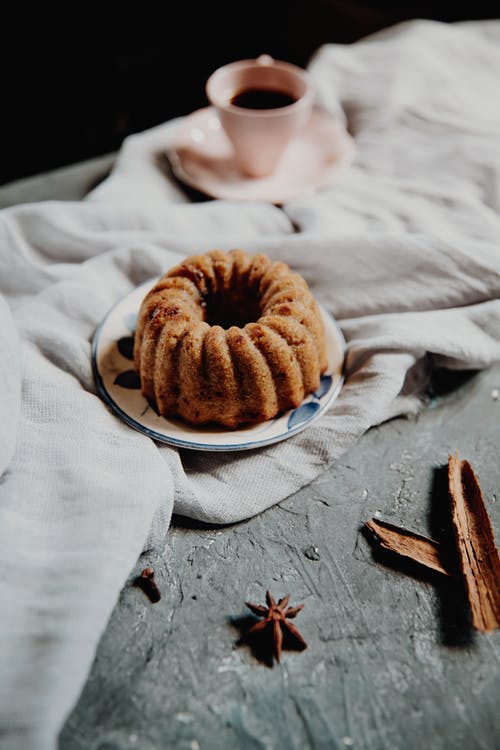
x=75, y=84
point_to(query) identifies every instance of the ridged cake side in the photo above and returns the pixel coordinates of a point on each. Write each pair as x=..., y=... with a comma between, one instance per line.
x=206, y=373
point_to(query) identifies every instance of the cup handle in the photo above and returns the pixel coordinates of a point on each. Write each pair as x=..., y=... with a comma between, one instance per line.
x=264, y=60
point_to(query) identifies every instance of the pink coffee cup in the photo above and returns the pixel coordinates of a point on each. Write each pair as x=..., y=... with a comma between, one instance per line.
x=261, y=105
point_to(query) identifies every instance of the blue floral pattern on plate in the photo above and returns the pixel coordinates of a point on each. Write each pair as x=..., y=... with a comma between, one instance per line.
x=324, y=386
x=302, y=414
x=306, y=411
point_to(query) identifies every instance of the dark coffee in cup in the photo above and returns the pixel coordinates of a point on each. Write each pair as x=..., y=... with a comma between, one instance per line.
x=255, y=98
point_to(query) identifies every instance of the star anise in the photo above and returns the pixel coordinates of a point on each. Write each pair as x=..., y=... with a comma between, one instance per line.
x=276, y=617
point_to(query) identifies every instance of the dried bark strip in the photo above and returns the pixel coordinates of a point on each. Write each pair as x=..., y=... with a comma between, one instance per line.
x=479, y=560
x=408, y=544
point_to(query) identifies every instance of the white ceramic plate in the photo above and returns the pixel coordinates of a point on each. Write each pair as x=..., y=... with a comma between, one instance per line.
x=119, y=386
x=201, y=156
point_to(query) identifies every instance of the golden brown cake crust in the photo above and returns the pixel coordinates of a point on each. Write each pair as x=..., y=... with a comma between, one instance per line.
x=229, y=338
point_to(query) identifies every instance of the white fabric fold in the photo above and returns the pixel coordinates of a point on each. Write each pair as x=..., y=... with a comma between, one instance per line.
x=403, y=250
x=10, y=385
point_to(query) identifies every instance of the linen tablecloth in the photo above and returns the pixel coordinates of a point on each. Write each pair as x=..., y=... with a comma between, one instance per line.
x=402, y=250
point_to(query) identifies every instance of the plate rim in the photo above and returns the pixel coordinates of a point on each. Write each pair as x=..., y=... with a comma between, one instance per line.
x=208, y=447
x=180, y=172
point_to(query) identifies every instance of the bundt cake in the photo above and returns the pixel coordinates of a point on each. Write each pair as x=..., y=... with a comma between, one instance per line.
x=229, y=338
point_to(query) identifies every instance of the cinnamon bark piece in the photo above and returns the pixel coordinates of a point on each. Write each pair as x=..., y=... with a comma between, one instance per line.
x=478, y=555
x=408, y=544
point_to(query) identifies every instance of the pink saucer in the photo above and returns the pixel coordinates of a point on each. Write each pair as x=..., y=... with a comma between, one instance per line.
x=201, y=156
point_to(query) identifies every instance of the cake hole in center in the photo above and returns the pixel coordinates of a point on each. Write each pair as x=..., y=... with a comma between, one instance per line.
x=234, y=309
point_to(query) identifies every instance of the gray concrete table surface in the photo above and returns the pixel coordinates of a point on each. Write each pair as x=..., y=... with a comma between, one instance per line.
x=391, y=661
